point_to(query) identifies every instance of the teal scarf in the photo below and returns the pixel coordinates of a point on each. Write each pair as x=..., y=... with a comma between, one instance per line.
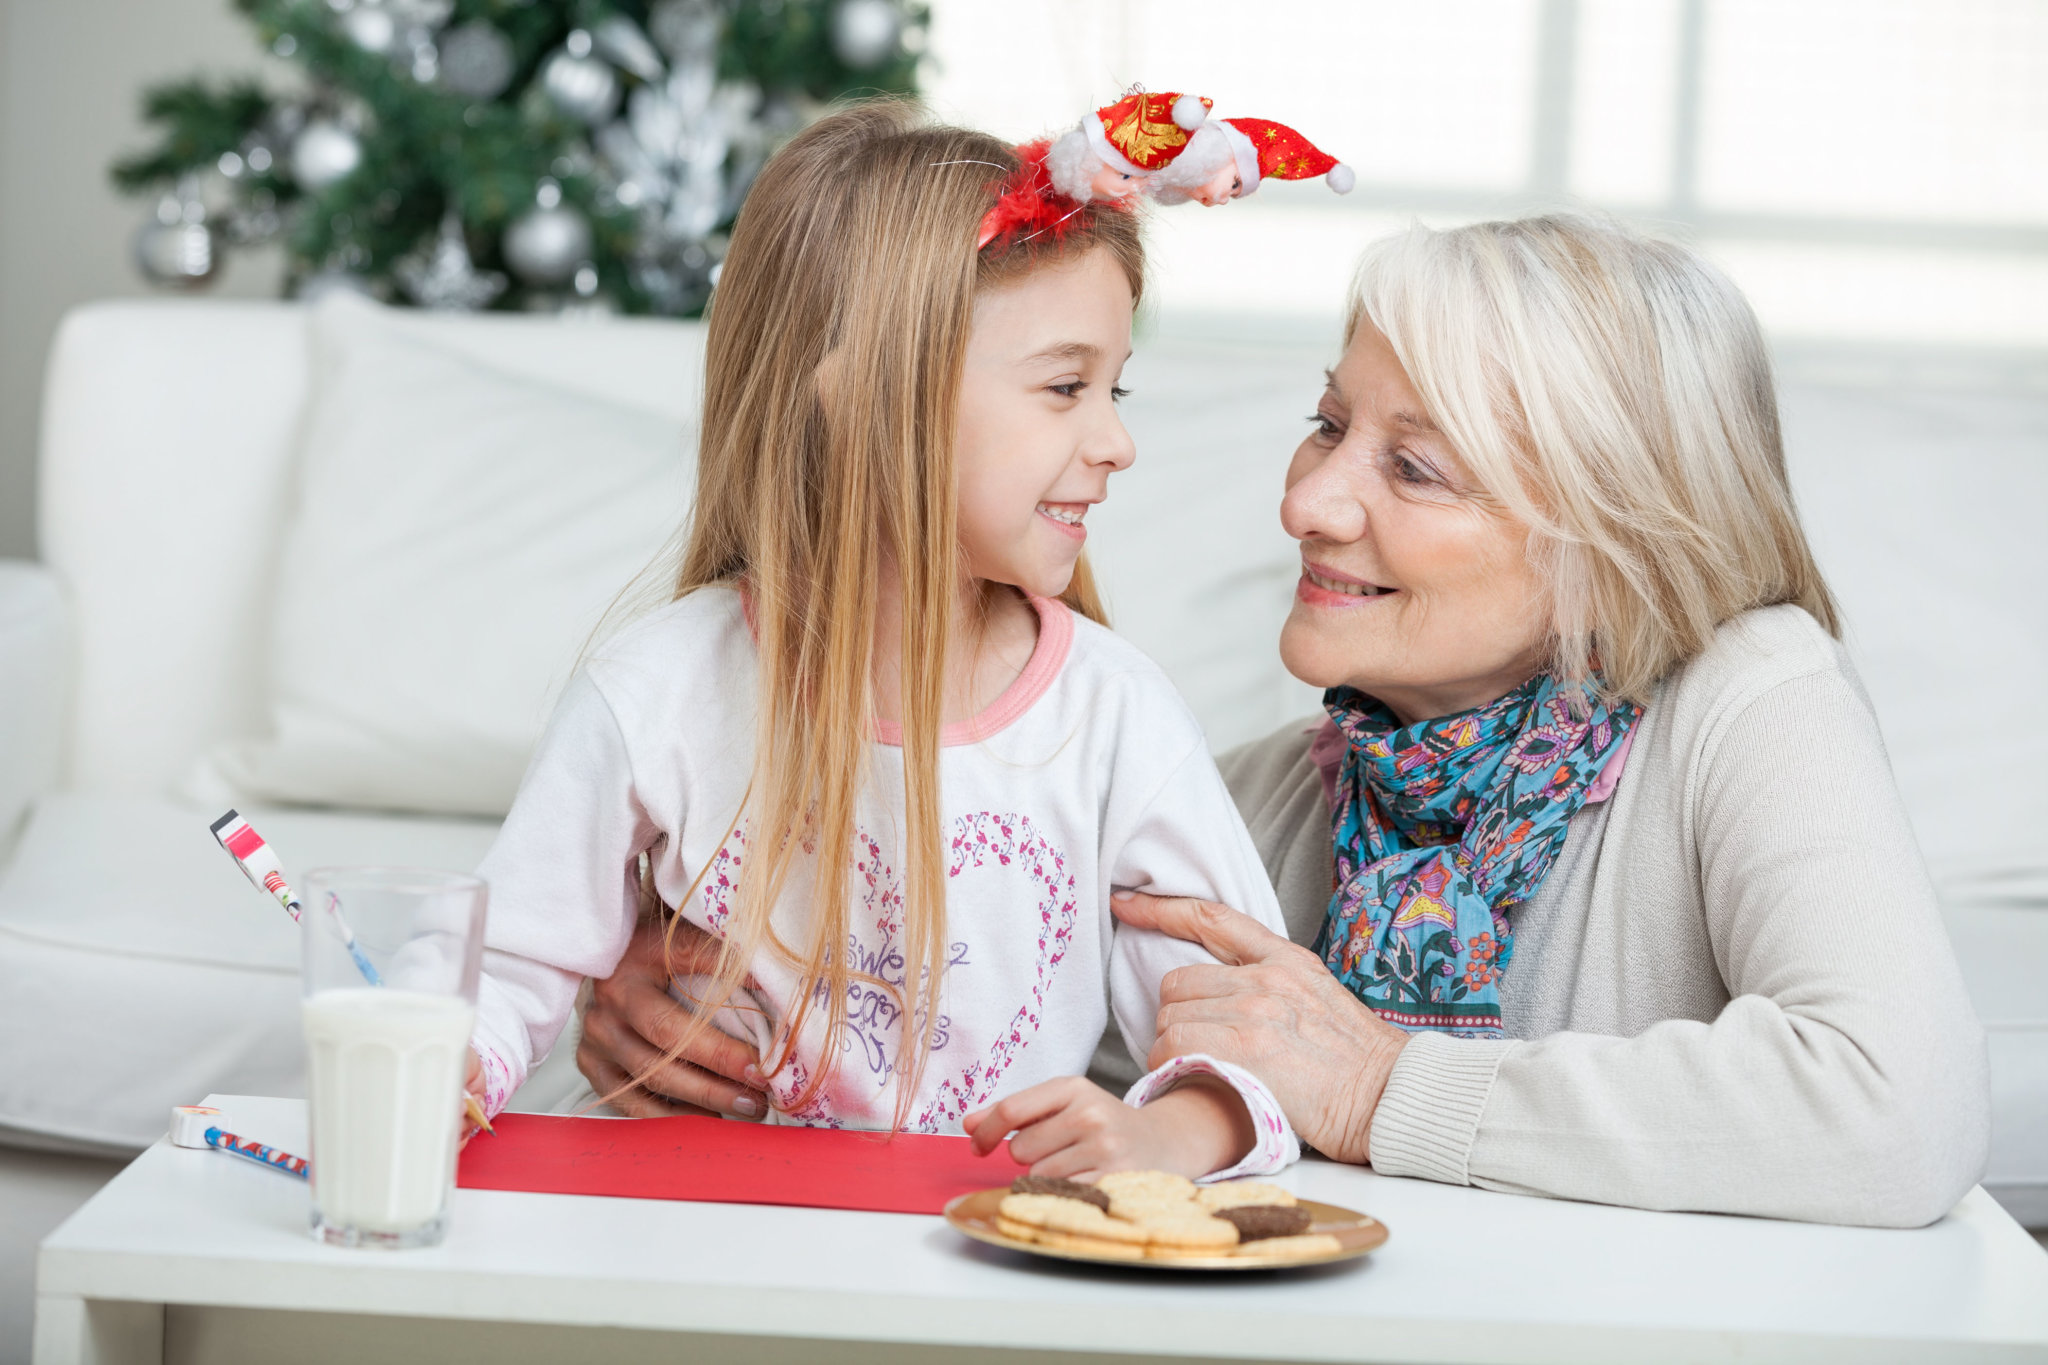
x=1442, y=828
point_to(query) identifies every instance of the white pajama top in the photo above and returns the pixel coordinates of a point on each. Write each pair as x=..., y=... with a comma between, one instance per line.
x=1087, y=774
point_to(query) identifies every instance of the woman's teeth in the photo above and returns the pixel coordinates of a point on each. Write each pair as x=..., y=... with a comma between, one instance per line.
x=1348, y=589
x=1060, y=512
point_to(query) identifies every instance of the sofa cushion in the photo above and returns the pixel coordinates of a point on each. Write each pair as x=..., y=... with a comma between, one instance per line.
x=139, y=969
x=458, y=534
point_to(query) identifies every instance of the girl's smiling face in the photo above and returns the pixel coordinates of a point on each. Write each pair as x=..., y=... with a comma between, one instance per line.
x=1039, y=433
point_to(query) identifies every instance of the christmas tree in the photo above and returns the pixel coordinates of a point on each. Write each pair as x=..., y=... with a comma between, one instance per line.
x=533, y=154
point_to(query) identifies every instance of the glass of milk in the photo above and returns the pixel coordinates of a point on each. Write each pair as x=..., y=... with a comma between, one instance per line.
x=391, y=960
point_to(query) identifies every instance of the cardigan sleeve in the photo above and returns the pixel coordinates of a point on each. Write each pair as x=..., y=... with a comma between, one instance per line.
x=1845, y=1081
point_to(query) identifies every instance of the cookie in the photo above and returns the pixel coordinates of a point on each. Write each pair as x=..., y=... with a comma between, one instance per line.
x=1146, y=1185
x=1255, y=1222
x=1055, y=1213
x=1233, y=1193
x=1090, y=1246
x=1309, y=1244
x=1137, y=1208
x=1065, y=1189
x=1022, y=1232
x=1189, y=1232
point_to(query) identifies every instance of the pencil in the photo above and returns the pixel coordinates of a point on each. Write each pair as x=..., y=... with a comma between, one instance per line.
x=477, y=1115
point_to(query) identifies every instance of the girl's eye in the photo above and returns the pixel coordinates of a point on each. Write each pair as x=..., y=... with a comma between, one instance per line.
x=1326, y=428
x=1118, y=393
x=1070, y=389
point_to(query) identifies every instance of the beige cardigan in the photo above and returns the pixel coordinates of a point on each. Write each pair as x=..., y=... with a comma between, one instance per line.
x=1732, y=993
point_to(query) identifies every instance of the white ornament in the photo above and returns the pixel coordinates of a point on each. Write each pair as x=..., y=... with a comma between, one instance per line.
x=443, y=276
x=865, y=32
x=580, y=85
x=687, y=30
x=1189, y=112
x=619, y=41
x=1340, y=178
x=323, y=153
x=545, y=244
x=371, y=28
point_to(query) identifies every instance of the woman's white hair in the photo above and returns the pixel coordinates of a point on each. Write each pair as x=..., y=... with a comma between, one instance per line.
x=1612, y=391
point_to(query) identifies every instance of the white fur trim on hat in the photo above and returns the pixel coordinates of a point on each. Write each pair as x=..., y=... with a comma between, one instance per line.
x=1070, y=164
x=1110, y=156
x=1340, y=178
x=1189, y=112
x=1247, y=155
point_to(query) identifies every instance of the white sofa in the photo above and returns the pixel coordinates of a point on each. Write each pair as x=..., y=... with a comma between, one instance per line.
x=138, y=970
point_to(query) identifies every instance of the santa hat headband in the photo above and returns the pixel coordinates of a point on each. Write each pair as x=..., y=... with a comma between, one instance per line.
x=1029, y=206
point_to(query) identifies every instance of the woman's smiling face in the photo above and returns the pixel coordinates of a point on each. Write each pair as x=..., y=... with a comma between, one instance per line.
x=1416, y=586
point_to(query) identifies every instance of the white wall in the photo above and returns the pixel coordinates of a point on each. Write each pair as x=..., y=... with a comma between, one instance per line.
x=71, y=76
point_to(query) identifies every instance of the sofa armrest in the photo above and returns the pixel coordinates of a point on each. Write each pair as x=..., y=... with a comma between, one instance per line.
x=35, y=677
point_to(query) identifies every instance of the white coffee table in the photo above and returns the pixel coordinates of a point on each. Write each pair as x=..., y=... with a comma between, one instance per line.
x=203, y=1242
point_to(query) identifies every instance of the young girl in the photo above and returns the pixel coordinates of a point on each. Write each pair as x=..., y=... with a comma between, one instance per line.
x=880, y=742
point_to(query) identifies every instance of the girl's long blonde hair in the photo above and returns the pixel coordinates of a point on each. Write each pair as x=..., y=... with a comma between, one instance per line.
x=832, y=377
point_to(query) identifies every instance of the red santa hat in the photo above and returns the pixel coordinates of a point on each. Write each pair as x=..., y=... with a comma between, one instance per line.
x=1267, y=149
x=1143, y=132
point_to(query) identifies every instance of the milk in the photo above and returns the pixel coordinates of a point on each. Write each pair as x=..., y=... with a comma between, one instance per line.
x=385, y=1077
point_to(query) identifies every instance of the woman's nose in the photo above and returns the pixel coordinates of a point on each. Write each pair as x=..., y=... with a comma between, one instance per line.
x=1321, y=505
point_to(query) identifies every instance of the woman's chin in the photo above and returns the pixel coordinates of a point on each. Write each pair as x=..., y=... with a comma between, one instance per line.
x=1311, y=653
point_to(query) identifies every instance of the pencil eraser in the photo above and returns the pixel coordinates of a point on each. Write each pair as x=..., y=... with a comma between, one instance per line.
x=189, y=1123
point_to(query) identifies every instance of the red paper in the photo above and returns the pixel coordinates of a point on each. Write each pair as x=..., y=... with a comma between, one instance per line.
x=723, y=1161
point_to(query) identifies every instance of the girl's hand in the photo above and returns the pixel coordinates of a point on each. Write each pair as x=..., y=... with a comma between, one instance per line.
x=1276, y=1011
x=631, y=1020
x=472, y=1086
x=1075, y=1129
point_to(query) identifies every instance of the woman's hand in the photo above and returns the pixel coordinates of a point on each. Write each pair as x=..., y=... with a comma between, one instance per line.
x=1075, y=1129
x=631, y=1021
x=1275, y=1010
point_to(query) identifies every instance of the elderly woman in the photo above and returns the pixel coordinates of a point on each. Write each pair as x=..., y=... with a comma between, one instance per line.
x=1598, y=881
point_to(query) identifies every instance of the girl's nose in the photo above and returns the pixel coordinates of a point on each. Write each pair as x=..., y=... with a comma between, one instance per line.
x=1111, y=445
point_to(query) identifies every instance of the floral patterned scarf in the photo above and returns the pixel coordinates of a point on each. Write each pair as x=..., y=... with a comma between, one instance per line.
x=1441, y=829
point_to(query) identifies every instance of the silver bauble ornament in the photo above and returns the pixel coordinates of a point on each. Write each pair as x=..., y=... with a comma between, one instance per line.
x=323, y=153
x=545, y=244
x=580, y=85
x=169, y=249
x=476, y=60
x=865, y=32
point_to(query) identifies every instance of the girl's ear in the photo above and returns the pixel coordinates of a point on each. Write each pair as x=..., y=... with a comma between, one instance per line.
x=829, y=379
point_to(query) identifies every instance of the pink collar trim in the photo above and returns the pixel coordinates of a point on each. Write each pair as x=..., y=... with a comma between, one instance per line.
x=1055, y=642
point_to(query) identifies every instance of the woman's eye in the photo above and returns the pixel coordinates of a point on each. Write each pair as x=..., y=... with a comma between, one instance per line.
x=1326, y=429
x=1408, y=470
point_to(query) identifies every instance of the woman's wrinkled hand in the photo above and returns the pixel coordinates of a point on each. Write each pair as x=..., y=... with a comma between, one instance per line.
x=631, y=1021
x=1274, y=1009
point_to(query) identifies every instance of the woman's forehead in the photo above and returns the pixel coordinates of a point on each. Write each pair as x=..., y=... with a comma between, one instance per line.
x=1371, y=376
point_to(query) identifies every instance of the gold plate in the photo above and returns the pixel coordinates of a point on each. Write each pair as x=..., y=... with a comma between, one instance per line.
x=975, y=1215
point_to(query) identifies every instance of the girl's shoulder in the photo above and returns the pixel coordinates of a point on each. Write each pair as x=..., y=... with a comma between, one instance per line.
x=1108, y=678
x=699, y=638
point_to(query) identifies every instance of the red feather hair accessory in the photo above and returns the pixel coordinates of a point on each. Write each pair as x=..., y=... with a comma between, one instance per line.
x=1030, y=206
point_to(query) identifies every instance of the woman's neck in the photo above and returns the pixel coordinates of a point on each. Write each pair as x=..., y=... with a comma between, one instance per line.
x=994, y=631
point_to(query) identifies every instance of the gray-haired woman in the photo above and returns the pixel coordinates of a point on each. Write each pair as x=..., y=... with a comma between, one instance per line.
x=1598, y=881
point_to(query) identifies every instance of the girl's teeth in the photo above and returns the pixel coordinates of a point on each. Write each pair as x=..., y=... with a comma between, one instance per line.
x=1070, y=517
x=1348, y=589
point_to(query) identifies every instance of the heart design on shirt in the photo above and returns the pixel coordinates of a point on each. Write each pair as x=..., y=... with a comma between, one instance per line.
x=984, y=841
